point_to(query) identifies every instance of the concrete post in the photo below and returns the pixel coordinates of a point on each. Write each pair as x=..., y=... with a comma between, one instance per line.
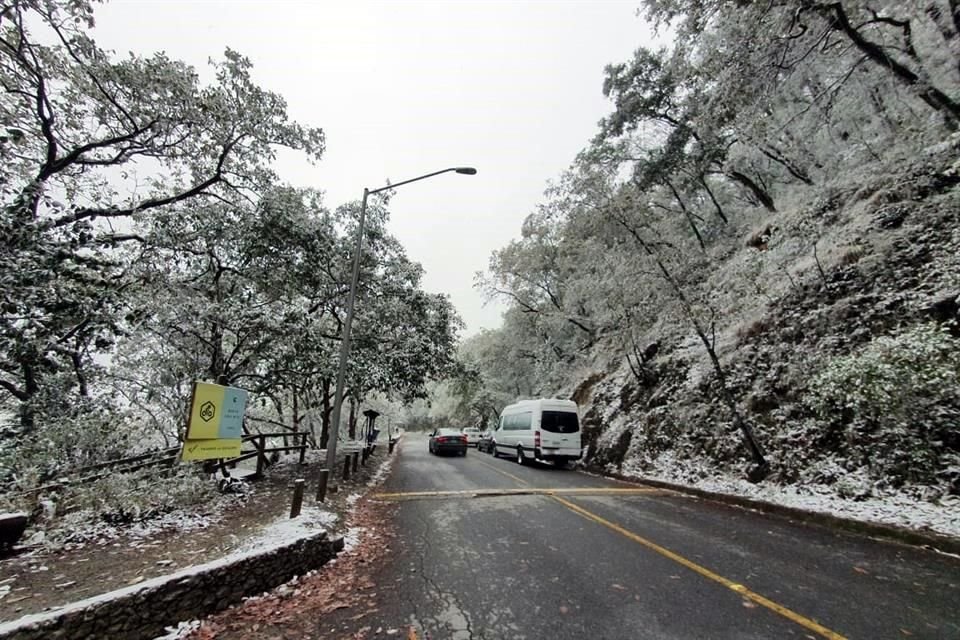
x=297, y=497
x=322, y=485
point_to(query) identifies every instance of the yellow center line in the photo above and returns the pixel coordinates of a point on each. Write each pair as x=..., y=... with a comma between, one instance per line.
x=803, y=621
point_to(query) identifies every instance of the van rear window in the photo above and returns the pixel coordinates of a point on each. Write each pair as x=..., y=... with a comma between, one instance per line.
x=559, y=422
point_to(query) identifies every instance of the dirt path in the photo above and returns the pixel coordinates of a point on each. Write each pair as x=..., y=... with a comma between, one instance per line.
x=42, y=580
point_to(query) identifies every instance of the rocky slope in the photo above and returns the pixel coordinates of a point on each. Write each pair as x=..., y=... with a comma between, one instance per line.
x=878, y=303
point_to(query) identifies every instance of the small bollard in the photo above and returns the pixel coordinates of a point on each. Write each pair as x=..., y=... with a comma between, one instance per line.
x=322, y=485
x=364, y=455
x=391, y=445
x=297, y=497
x=346, y=468
x=356, y=460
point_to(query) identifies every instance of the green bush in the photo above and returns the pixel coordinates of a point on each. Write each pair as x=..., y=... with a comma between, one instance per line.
x=133, y=497
x=896, y=403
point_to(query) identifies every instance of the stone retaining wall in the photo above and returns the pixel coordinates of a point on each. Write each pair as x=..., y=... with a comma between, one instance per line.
x=144, y=610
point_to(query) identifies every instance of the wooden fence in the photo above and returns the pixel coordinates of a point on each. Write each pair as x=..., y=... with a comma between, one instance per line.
x=168, y=458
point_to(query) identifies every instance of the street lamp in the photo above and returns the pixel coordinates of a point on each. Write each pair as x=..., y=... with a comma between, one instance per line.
x=345, y=342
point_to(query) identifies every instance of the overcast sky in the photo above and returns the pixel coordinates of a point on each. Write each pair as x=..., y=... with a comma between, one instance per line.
x=407, y=88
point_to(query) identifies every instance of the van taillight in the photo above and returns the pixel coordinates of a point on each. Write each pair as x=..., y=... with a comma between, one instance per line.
x=536, y=439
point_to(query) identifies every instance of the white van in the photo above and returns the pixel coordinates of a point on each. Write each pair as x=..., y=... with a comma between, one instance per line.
x=546, y=430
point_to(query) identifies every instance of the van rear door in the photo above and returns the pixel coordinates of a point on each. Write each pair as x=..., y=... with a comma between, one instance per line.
x=560, y=432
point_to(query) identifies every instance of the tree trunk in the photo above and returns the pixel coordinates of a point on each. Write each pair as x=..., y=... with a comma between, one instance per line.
x=352, y=419
x=325, y=420
x=756, y=190
x=762, y=466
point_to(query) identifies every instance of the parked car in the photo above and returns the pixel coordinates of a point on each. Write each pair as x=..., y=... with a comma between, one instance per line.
x=473, y=436
x=448, y=441
x=485, y=442
x=546, y=430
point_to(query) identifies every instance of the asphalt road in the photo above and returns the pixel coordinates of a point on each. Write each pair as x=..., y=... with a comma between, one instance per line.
x=490, y=549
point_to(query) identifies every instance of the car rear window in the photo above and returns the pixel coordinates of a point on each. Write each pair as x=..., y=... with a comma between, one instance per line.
x=559, y=422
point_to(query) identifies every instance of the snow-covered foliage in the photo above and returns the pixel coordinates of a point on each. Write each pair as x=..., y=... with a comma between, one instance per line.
x=897, y=402
x=148, y=243
x=759, y=247
x=134, y=504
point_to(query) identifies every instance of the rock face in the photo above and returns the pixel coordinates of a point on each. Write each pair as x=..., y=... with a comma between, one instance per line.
x=889, y=261
x=143, y=611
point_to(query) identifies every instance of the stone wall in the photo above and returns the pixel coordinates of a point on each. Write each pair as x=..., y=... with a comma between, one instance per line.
x=144, y=610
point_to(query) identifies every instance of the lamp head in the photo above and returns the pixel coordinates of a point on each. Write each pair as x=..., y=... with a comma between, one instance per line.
x=469, y=171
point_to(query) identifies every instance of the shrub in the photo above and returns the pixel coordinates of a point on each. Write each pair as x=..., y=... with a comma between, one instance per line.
x=897, y=402
x=133, y=497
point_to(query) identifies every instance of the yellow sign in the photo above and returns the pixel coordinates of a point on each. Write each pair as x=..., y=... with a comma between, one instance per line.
x=216, y=422
x=210, y=449
x=217, y=412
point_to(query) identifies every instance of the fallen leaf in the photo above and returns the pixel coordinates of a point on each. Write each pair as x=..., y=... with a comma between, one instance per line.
x=749, y=605
x=563, y=609
x=861, y=570
x=618, y=587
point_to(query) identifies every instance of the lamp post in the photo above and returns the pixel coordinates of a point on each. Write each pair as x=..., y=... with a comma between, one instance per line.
x=334, y=430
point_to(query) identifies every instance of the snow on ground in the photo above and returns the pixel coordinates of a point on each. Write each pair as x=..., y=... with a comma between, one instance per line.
x=893, y=509
x=281, y=532
x=182, y=630
x=284, y=530
x=374, y=480
x=79, y=529
x=352, y=537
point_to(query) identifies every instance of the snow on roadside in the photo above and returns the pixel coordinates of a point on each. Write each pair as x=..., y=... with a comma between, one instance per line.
x=892, y=509
x=284, y=530
x=352, y=538
x=374, y=480
x=182, y=630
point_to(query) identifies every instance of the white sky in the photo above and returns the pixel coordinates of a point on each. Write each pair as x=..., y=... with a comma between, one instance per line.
x=407, y=88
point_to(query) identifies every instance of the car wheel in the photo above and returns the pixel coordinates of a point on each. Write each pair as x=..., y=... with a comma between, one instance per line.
x=493, y=450
x=464, y=454
x=520, y=459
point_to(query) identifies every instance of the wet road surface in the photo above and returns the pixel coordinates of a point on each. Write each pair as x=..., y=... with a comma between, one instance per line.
x=489, y=549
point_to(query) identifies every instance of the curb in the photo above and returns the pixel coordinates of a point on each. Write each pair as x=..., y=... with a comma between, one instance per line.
x=912, y=537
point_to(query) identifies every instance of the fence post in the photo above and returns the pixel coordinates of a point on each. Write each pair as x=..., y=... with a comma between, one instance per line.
x=261, y=454
x=346, y=468
x=303, y=448
x=322, y=485
x=297, y=498
x=356, y=460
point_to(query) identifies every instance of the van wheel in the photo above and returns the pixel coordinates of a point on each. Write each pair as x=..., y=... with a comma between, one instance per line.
x=494, y=451
x=520, y=459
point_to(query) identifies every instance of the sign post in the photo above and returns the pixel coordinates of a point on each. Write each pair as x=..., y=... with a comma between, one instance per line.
x=216, y=422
